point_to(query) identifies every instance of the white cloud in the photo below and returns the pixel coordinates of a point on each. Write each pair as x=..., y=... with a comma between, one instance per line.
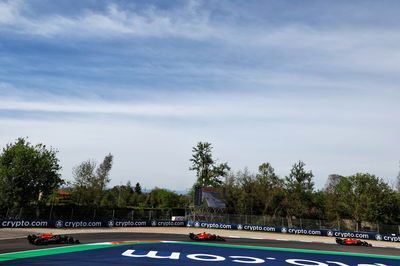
x=331, y=132
x=244, y=132
x=9, y=12
x=352, y=48
x=114, y=22
x=329, y=96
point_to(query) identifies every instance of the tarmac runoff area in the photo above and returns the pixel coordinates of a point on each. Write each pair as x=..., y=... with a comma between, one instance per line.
x=241, y=247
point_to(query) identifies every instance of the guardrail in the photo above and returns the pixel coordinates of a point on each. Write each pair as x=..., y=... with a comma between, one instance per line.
x=195, y=224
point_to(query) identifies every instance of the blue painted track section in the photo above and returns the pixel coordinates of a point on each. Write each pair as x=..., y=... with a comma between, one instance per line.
x=192, y=254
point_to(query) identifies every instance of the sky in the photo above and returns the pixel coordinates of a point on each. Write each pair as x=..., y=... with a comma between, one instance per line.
x=262, y=81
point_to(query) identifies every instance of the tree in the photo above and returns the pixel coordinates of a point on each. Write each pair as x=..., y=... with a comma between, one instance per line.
x=138, y=188
x=207, y=172
x=26, y=171
x=299, y=188
x=266, y=176
x=247, y=202
x=103, y=172
x=84, y=174
x=118, y=196
x=163, y=198
x=361, y=197
x=90, y=182
x=371, y=199
x=269, y=189
x=335, y=191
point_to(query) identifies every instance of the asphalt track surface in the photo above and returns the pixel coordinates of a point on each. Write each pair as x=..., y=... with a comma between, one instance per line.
x=21, y=244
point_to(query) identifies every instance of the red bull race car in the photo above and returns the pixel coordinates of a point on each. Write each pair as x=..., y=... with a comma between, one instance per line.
x=352, y=242
x=44, y=239
x=206, y=237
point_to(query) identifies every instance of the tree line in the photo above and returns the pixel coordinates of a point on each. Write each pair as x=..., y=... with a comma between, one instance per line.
x=361, y=197
x=30, y=175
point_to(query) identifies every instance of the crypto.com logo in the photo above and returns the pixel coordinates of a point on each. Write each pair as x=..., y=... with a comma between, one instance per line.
x=59, y=224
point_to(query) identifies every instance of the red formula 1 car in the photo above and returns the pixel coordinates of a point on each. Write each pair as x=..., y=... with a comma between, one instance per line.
x=352, y=242
x=206, y=237
x=44, y=239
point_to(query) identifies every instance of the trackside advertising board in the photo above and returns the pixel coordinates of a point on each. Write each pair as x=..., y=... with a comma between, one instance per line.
x=195, y=224
x=88, y=224
x=297, y=231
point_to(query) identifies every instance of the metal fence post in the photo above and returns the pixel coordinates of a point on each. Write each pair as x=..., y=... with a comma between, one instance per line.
x=51, y=211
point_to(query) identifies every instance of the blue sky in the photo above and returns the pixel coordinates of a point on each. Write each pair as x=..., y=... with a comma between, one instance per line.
x=263, y=81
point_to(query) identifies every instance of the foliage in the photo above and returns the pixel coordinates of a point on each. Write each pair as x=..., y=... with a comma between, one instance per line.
x=26, y=171
x=336, y=189
x=207, y=172
x=299, y=190
x=246, y=193
x=90, y=181
x=367, y=198
x=138, y=188
x=103, y=172
x=163, y=198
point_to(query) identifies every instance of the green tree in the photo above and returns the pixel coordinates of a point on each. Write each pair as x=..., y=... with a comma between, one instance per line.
x=84, y=185
x=336, y=189
x=118, y=196
x=207, y=172
x=26, y=171
x=84, y=175
x=266, y=176
x=269, y=189
x=138, y=188
x=257, y=194
x=103, y=172
x=109, y=199
x=371, y=199
x=299, y=189
x=363, y=198
x=232, y=190
x=90, y=181
x=247, y=198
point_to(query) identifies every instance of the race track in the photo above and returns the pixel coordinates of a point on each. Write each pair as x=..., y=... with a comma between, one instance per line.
x=219, y=253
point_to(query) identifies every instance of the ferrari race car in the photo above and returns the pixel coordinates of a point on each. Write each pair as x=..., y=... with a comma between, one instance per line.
x=352, y=242
x=206, y=237
x=44, y=239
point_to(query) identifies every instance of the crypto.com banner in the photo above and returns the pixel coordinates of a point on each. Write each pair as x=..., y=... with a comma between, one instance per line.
x=88, y=224
x=297, y=231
